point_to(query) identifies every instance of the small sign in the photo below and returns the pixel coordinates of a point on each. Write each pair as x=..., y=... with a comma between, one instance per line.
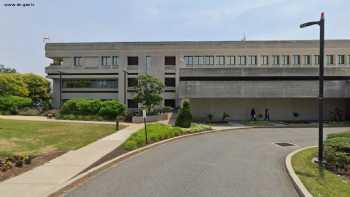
x=144, y=113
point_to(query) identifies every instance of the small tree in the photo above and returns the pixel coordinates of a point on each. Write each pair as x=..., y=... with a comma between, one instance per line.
x=4, y=69
x=38, y=87
x=184, y=118
x=148, y=92
x=112, y=109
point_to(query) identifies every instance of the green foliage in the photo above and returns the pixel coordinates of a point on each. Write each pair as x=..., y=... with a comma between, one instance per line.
x=210, y=118
x=184, y=117
x=38, y=88
x=337, y=149
x=111, y=109
x=157, y=132
x=148, y=91
x=224, y=116
x=90, y=108
x=13, y=103
x=319, y=185
x=4, y=69
x=13, y=84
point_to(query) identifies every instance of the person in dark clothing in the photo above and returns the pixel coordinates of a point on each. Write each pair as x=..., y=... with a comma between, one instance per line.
x=252, y=114
x=267, y=114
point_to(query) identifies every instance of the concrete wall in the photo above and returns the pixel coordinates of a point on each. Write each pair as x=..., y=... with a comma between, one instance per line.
x=280, y=109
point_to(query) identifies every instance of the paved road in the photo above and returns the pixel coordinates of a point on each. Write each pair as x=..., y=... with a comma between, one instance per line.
x=242, y=163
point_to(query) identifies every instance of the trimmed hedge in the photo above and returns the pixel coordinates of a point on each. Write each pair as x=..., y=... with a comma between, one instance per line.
x=337, y=150
x=91, y=108
x=10, y=104
x=184, y=119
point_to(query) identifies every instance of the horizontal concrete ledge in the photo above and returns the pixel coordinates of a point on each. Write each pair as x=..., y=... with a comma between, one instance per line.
x=299, y=186
x=262, y=78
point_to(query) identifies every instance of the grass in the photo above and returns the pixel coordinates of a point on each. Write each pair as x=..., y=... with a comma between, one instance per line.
x=34, y=137
x=345, y=134
x=157, y=132
x=328, y=185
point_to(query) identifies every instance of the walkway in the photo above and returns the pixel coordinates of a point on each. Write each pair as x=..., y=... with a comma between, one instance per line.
x=244, y=163
x=45, y=179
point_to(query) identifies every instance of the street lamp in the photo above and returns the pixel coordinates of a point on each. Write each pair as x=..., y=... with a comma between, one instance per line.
x=321, y=76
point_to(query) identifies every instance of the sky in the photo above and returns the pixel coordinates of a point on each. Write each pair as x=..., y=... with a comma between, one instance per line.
x=22, y=29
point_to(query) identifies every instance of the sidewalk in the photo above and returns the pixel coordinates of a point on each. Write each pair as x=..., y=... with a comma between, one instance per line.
x=43, y=180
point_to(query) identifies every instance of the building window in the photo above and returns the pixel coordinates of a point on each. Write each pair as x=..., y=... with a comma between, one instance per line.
x=231, y=60
x=169, y=60
x=105, y=60
x=275, y=59
x=242, y=60
x=170, y=82
x=265, y=60
x=296, y=60
x=90, y=83
x=219, y=60
x=132, y=82
x=195, y=60
x=76, y=61
x=189, y=60
x=133, y=60
x=148, y=63
x=316, y=59
x=132, y=103
x=285, y=59
x=115, y=60
x=169, y=103
x=307, y=59
x=200, y=60
x=341, y=59
x=330, y=59
x=252, y=60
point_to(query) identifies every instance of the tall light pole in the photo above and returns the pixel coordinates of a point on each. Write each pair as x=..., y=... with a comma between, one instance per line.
x=321, y=78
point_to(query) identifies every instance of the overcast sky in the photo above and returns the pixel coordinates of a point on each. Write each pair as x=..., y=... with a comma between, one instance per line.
x=23, y=28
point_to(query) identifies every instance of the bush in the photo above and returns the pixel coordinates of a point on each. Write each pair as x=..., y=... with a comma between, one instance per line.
x=111, y=109
x=13, y=84
x=337, y=151
x=81, y=107
x=13, y=103
x=184, y=118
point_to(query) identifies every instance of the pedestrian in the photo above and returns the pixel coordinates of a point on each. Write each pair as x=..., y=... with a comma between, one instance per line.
x=267, y=114
x=252, y=114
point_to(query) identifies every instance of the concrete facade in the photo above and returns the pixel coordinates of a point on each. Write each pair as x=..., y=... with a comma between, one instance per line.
x=216, y=76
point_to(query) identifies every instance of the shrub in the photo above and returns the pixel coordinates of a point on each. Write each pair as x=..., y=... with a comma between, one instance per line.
x=81, y=107
x=184, y=118
x=224, y=116
x=12, y=103
x=111, y=109
x=13, y=84
x=337, y=151
x=210, y=118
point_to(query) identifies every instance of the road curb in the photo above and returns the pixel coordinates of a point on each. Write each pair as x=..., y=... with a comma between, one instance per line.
x=299, y=186
x=67, y=186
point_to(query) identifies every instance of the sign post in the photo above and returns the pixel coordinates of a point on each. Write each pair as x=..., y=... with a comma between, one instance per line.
x=144, y=120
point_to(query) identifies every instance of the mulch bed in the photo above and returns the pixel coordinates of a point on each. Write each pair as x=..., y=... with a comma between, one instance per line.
x=37, y=161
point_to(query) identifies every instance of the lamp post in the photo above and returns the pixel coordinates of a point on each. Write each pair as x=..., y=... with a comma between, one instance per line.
x=321, y=79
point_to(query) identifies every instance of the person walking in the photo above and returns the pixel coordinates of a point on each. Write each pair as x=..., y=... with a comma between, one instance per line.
x=253, y=114
x=267, y=114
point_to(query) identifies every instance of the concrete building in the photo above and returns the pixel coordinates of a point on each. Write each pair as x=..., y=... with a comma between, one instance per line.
x=215, y=76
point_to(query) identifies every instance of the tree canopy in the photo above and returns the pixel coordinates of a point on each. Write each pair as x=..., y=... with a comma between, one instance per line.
x=148, y=91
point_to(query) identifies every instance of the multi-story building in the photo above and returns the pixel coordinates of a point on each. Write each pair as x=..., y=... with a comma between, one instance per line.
x=215, y=76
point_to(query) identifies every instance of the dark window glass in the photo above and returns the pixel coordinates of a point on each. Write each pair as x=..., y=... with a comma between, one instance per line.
x=90, y=83
x=132, y=82
x=132, y=103
x=170, y=82
x=76, y=61
x=133, y=60
x=170, y=60
x=169, y=103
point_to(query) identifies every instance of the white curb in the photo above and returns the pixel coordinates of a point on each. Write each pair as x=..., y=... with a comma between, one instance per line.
x=303, y=192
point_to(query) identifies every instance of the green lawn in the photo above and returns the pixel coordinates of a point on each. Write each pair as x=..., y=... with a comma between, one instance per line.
x=157, y=132
x=330, y=185
x=33, y=137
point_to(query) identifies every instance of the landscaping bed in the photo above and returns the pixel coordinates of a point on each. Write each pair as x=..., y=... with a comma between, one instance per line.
x=41, y=142
x=328, y=185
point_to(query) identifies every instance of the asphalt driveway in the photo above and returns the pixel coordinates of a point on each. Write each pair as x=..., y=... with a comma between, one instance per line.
x=242, y=163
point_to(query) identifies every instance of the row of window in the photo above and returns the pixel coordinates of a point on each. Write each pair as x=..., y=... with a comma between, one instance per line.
x=167, y=102
x=132, y=60
x=265, y=60
x=107, y=83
